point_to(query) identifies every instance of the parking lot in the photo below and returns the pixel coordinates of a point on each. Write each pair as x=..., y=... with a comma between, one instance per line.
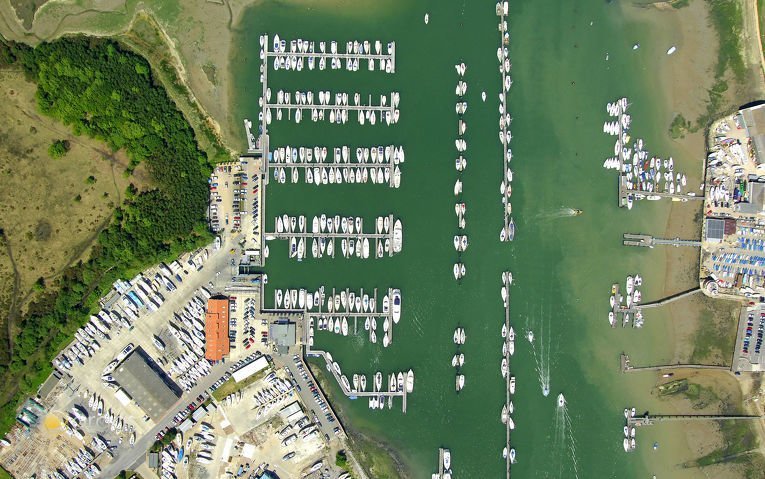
x=751, y=329
x=236, y=199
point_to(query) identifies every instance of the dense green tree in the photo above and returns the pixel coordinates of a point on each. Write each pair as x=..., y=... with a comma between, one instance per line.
x=104, y=91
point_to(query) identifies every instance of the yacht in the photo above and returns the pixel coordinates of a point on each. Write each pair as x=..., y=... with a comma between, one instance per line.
x=460, y=382
x=397, y=236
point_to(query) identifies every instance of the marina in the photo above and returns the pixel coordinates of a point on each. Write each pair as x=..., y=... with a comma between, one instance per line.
x=640, y=174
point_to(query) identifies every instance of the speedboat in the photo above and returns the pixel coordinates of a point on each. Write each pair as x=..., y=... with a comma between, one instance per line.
x=561, y=400
x=530, y=335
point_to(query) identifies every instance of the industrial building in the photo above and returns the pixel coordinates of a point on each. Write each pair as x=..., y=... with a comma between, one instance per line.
x=146, y=384
x=216, y=328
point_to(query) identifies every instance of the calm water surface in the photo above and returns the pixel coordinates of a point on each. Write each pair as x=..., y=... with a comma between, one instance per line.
x=563, y=266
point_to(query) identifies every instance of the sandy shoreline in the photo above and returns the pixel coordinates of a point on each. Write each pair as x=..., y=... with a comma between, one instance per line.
x=684, y=79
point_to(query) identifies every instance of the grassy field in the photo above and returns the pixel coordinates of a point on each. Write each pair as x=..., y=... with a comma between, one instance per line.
x=231, y=386
x=50, y=210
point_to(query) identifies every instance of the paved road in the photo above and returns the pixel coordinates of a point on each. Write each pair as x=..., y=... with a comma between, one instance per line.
x=134, y=455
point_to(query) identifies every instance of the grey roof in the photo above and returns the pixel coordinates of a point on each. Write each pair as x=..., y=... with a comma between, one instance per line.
x=715, y=229
x=756, y=197
x=151, y=389
x=754, y=121
x=283, y=333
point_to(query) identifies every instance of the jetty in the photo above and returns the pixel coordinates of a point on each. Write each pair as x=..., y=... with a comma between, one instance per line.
x=508, y=461
x=648, y=241
x=356, y=315
x=627, y=367
x=390, y=55
x=501, y=11
x=650, y=420
x=355, y=236
x=661, y=302
x=388, y=395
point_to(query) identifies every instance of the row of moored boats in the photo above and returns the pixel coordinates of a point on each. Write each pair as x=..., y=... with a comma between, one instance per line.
x=325, y=229
x=507, y=232
x=301, y=53
x=460, y=240
x=313, y=106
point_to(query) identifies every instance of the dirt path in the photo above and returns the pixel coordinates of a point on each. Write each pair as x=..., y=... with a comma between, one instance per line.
x=755, y=20
x=13, y=309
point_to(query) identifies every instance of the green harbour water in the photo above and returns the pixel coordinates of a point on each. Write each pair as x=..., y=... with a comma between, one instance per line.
x=563, y=266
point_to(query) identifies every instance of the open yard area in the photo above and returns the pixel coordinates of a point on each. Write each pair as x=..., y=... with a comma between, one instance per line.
x=51, y=210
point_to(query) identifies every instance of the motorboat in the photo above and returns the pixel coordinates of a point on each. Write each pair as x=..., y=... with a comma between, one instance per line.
x=363, y=382
x=400, y=380
x=504, y=330
x=503, y=367
x=454, y=360
x=512, y=455
x=561, y=400
x=409, y=381
x=378, y=381
x=530, y=335
x=512, y=384
x=447, y=459
x=457, y=336
x=396, y=305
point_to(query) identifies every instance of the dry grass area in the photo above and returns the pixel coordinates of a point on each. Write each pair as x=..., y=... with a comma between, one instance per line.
x=50, y=210
x=193, y=39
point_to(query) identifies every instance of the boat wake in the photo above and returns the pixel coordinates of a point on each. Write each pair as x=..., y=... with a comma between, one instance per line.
x=564, y=445
x=542, y=356
x=559, y=213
